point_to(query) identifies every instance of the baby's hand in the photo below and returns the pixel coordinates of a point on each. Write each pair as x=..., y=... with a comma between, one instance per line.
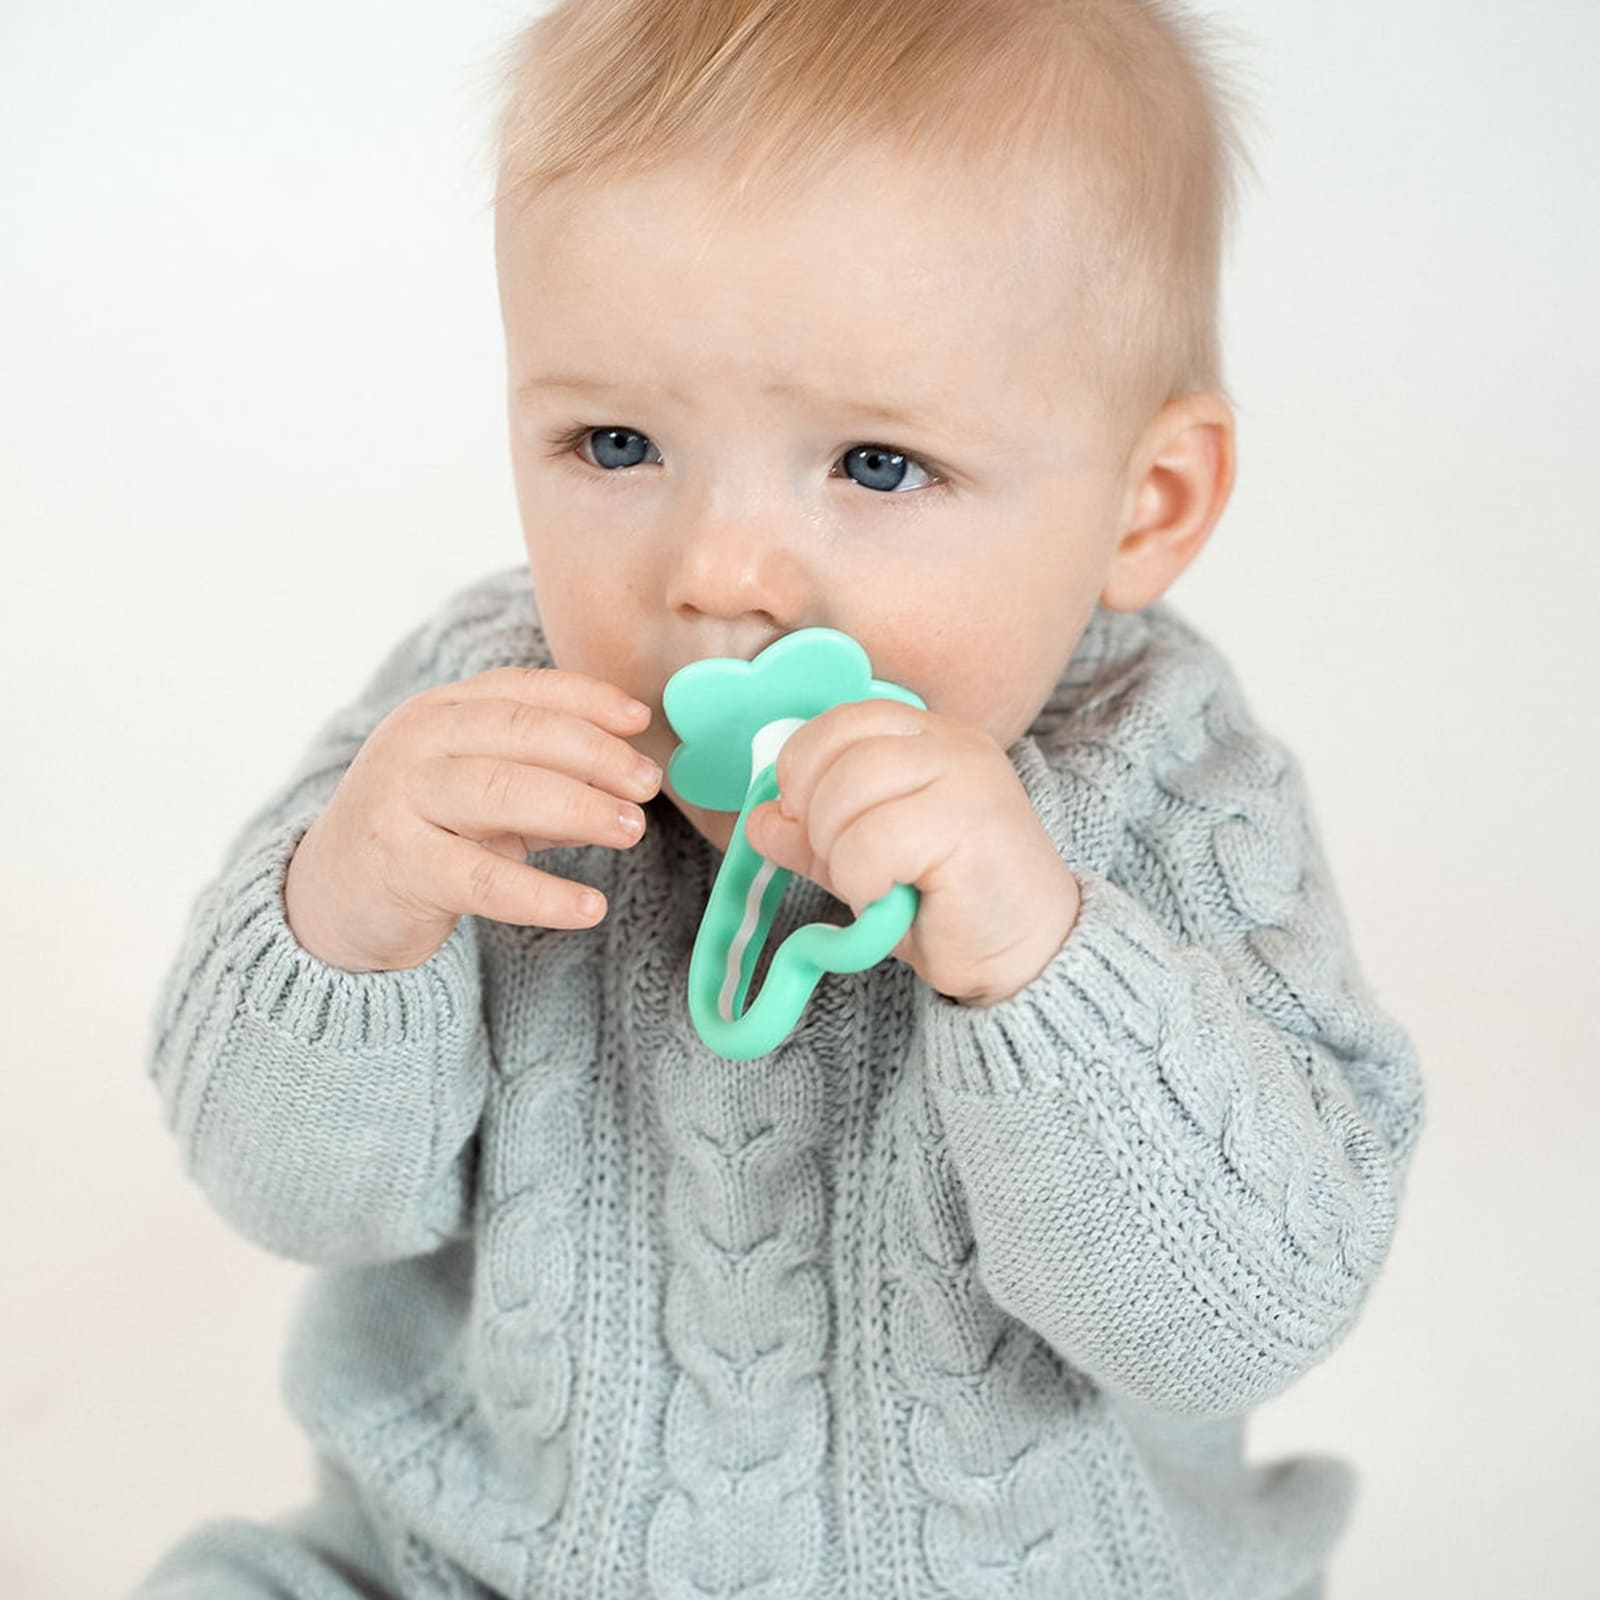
x=433, y=817
x=875, y=792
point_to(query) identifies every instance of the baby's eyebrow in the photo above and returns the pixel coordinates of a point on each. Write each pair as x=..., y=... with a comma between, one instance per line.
x=924, y=419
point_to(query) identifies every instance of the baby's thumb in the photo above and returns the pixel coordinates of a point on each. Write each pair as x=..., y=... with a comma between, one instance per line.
x=761, y=824
x=773, y=835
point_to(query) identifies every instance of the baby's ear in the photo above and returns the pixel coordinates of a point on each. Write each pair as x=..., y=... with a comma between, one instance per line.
x=1180, y=477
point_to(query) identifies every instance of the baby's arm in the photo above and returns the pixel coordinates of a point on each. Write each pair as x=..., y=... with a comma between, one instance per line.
x=1182, y=1146
x=329, y=1116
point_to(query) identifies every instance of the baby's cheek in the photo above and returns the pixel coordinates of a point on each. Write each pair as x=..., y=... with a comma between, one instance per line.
x=967, y=673
x=991, y=706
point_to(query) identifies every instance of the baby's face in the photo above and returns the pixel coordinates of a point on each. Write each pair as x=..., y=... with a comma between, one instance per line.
x=705, y=458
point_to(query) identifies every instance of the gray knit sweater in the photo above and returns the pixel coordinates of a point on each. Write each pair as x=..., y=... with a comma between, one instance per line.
x=931, y=1301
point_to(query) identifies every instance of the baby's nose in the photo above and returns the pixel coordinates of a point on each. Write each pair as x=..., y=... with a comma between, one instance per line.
x=752, y=585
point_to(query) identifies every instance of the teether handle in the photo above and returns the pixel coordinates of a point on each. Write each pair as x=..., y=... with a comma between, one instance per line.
x=744, y=900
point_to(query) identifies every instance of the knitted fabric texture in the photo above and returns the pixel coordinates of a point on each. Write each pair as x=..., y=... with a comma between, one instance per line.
x=931, y=1301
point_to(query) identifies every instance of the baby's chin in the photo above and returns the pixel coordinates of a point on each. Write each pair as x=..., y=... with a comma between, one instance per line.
x=716, y=827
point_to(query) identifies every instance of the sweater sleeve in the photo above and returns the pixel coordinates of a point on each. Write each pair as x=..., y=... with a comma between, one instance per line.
x=1182, y=1146
x=331, y=1116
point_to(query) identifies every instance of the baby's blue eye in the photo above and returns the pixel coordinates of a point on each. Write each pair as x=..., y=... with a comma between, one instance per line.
x=619, y=440
x=882, y=468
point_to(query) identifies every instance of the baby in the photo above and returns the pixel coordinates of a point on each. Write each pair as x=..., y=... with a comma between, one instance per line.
x=898, y=319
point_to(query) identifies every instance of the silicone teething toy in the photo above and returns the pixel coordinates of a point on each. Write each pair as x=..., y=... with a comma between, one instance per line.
x=733, y=717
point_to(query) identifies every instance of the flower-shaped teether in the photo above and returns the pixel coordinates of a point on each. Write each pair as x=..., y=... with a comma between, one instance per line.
x=733, y=717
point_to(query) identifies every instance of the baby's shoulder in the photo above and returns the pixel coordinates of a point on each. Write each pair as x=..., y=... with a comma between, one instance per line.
x=1150, y=683
x=1150, y=719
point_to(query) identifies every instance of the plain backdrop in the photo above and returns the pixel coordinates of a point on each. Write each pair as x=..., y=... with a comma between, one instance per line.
x=251, y=430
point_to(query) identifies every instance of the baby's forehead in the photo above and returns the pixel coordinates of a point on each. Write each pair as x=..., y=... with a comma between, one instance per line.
x=882, y=306
x=987, y=246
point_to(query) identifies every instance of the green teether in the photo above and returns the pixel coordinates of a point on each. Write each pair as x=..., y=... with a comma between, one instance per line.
x=733, y=717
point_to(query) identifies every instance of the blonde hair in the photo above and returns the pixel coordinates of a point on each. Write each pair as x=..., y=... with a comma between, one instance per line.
x=1120, y=99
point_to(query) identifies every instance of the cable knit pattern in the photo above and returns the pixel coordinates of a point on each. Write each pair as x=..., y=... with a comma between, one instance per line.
x=933, y=1302
x=1005, y=1438
x=1202, y=1051
x=746, y=1322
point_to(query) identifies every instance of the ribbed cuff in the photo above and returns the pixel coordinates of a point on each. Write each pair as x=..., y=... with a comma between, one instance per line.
x=1100, y=993
x=284, y=984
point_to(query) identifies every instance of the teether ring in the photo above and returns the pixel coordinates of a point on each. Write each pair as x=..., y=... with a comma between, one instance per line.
x=733, y=717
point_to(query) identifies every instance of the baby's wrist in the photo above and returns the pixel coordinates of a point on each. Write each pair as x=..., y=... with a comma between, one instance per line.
x=1030, y=959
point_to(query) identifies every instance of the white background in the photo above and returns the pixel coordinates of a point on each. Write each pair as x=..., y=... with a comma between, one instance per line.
x=251, y=430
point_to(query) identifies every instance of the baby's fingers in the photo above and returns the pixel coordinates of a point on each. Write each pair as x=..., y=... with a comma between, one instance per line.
x=465, y=878
x=481, y=796
x=540, y=736
x=573, y=693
